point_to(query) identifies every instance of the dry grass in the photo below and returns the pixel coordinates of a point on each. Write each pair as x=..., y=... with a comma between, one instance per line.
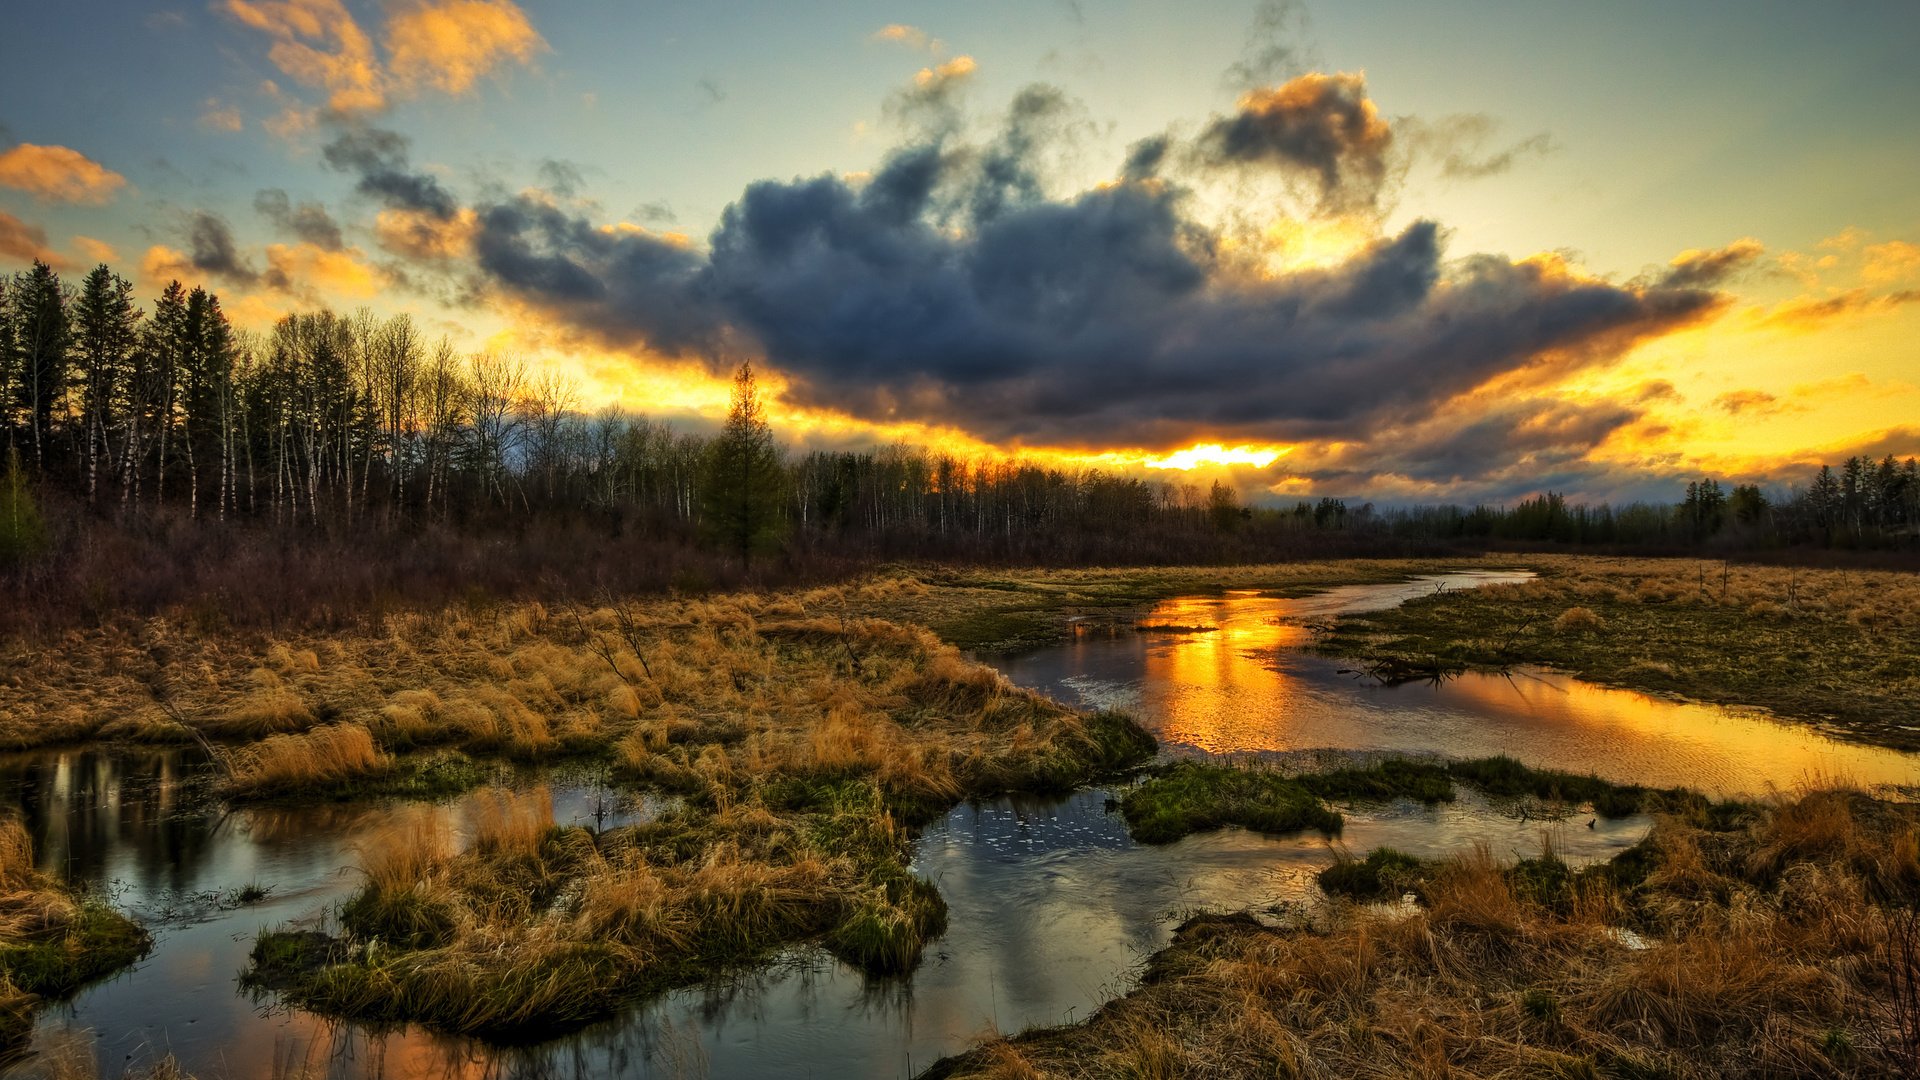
x=528, y=681
x=1765, y=955
x=535, y=929
x=1839, y=645
x=323, y=756
x=803, y=748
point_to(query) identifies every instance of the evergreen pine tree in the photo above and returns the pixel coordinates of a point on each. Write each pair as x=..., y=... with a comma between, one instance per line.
x=742, y=479
x=42, y=336
x=106, y=333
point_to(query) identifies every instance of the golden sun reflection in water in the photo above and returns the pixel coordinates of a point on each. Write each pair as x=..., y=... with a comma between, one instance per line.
x=1246, y=686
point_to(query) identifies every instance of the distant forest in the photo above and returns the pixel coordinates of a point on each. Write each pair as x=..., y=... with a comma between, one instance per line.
x=343, y=462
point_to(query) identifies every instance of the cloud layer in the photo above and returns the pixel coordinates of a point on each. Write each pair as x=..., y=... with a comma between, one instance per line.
x=950, y=287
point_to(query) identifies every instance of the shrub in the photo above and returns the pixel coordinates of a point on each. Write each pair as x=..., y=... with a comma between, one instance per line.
x=1578, y=620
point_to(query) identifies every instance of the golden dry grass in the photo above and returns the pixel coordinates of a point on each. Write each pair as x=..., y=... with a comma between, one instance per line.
x=528, y=680
x=1765, y=955
x=801, y=749
x=289, y=763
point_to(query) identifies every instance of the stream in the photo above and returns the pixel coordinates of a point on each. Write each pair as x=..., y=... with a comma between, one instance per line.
x=1052, y=907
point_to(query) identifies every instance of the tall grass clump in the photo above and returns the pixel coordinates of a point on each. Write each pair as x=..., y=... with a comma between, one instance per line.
x=326, y=757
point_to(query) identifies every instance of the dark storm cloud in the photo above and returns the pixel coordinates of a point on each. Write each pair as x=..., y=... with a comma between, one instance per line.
x=1108, y=318
x=380, y=159
x=621, y=285
x=309, y=221
x=1536, y=437
x=1100, y=319
x=951, y=287
x=1317, y=125
x=1008, y=171
x=1145, y=157
x=211, y=250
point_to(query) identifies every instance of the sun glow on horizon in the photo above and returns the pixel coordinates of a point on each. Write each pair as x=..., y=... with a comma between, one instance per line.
x=1200, y=454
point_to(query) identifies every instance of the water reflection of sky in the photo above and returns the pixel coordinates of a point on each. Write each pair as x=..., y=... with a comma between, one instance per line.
x=1246, y=687
x=1052, y=906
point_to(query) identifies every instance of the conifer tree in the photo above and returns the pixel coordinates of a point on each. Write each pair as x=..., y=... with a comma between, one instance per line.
x=106, y=333
x=42, y=337
x=743, y=478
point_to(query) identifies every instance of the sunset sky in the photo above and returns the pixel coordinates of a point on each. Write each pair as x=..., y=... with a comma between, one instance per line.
x=1371, y=249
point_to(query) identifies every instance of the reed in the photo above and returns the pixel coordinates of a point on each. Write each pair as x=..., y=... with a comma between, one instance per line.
x=324, y=757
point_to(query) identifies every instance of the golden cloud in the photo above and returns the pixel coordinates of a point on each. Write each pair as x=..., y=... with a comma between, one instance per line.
x=444, y=44
x=96, y=251
x=911, y=36
x=318, y=43
x=1891, y=263
x=451, y=45
x=941, y=74
x=310, y=270
x=162, y=264
x=426, y=237
x=58, y=174
x=24, y=243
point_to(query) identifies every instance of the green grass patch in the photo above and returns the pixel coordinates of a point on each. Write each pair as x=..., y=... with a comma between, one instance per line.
x=1385, y=874
x=1395, y=778
x=96, y=942
x=1507, y=777
x=1189, y=796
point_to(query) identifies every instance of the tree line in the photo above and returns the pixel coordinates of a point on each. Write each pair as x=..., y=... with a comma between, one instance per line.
x=350, y=425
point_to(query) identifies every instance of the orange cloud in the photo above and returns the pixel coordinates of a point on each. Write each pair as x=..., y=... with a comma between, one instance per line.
x=318, y=43
x=96, y=251
x=424, y=236
x=308, y=269
x=162, y=264
x=911, y=36
x=58, y=174
x=444, y=44
x=1215, y=454
x=452, y=44
x=941, y=74
x=24, y=243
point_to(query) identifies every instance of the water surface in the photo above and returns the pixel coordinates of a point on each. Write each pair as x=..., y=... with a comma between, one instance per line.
x=1052, y=907
x=1245, y=686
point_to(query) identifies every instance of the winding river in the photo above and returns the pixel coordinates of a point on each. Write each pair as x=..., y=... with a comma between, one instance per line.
x=1052, y=907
